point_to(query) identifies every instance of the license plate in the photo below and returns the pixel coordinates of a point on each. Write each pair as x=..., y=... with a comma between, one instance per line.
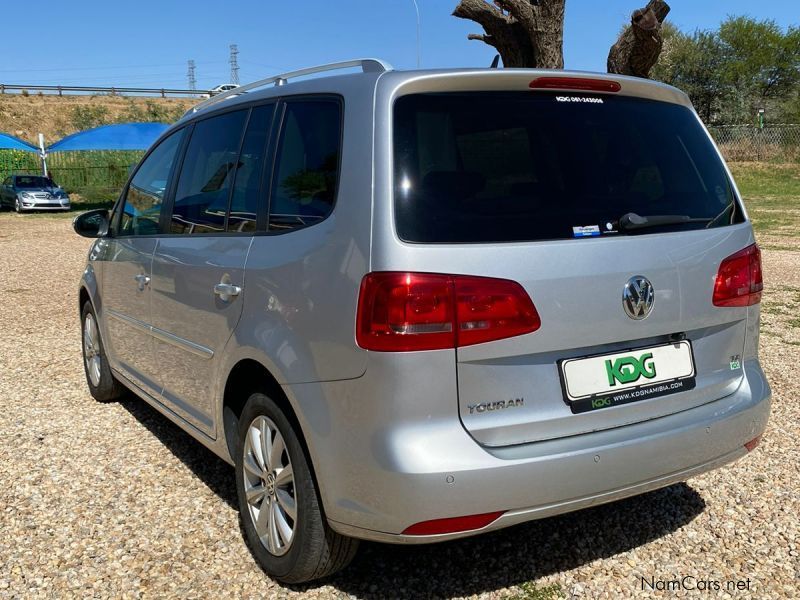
x=606, y=380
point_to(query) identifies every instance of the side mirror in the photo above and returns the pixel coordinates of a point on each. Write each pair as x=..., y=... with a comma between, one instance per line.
x=92, y=224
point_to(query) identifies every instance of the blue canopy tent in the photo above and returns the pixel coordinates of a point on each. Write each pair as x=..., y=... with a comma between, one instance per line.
x=9, y=142
x=98, y=161
x=125, y=136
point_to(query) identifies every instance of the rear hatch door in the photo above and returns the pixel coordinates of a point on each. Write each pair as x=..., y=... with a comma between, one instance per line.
x=614, y=213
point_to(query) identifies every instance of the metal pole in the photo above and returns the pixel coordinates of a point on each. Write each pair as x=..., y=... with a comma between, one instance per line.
x=43, y=154
x=419, y=52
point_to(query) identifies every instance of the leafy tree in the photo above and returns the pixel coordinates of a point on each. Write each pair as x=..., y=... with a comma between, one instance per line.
x=694, y=63
x=733, y=72
x=762, y=65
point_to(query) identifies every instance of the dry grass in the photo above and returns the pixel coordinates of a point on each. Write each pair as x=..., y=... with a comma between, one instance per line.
x=27, y=116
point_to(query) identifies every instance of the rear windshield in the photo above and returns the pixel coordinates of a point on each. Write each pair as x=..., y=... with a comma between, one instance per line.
x=503, y=167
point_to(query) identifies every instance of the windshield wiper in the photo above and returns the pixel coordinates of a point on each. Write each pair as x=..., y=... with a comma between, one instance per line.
x=631, y=221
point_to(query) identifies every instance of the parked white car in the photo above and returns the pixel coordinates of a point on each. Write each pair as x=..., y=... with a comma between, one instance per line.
x=223, y=87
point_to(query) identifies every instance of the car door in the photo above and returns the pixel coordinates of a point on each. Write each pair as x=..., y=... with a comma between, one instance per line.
x=126, y=267
x=198, y=269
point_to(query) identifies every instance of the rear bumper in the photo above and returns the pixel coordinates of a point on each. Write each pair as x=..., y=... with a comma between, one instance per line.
x=432, y=471
x=514, y=517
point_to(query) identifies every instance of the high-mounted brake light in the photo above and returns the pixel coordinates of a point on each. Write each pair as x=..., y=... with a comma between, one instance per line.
x=453, y=525
x=575, y=84
x=739, y=280
x=403, y=312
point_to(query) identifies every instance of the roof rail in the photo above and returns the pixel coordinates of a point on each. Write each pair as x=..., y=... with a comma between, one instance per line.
x=368, y=65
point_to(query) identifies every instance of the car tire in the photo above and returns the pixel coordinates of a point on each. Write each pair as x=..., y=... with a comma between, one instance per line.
x=103, y=386
x=17, y=206
x=291, y=550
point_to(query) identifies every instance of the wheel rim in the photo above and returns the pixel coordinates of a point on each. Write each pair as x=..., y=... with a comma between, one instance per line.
x=16, y=205
x=269, y=486
x=91, y=349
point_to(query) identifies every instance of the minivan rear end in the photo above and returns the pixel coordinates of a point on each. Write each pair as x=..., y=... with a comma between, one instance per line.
x=562, y=307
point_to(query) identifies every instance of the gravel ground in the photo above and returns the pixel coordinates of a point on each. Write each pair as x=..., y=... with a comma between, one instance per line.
x=113, y=501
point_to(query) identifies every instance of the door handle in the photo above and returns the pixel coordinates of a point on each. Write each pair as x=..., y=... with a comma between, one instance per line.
x=142, y=280
x=226, y=291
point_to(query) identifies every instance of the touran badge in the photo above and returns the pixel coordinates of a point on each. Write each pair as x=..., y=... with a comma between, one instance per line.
x=638, y=297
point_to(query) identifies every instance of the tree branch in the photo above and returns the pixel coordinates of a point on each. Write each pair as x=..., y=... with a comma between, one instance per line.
x=638, y=47
x=521, y=10
x=503, y=32
x=486, y=39
x=482, y=13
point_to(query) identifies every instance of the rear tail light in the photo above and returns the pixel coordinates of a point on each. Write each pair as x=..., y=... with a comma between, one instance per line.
x=453, y=525
x=575, y=84
x=739, y=280
x=401, y=312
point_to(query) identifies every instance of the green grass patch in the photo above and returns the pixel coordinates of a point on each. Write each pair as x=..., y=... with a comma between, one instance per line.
x=772, y=195
x=772, y=180
x=530, y=591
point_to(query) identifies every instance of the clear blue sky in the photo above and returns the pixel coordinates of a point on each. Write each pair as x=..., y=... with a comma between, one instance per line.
x=147, y=42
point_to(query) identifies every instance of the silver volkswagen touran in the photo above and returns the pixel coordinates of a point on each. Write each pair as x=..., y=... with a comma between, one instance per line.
x=414, y=306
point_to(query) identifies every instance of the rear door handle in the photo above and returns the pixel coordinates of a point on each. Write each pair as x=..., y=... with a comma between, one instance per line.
x=142, y=280
x=226, y=291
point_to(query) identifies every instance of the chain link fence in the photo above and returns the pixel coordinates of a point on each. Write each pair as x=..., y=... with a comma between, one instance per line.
x=94, y=175
x=748, y=143
x=101, y=174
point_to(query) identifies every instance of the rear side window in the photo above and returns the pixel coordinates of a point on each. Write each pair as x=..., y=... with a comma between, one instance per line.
x=307, y=165
x=502, y=167
x=206, y=179
x=247, y=187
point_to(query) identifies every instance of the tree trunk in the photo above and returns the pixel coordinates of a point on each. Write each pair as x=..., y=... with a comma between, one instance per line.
x=526, y=33
x=638, y=47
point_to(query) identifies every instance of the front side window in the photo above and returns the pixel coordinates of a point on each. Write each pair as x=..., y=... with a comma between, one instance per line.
x=304, y=186
x=204, y=185
x=145, y=197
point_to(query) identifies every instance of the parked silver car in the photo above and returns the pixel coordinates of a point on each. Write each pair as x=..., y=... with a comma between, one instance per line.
x=32, y=192
x=415, y=306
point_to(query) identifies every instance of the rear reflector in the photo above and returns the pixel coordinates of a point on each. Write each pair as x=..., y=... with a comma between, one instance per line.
x=739, y=280
x=403, y=312
x=453, y=525
x=575, y=83
x=751, y=445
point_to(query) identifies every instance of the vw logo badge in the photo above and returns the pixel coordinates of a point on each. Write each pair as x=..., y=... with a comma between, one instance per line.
x=638, y=297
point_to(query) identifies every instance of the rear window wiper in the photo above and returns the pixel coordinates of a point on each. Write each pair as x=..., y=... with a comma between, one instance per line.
x=731, y=208
x=631, y=221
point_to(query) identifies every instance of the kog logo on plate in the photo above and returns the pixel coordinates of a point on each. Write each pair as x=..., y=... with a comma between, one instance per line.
x=628, y=369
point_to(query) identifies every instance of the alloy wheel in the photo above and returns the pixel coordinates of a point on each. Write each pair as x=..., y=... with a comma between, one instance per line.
x=91, y=349
x=269, y=486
